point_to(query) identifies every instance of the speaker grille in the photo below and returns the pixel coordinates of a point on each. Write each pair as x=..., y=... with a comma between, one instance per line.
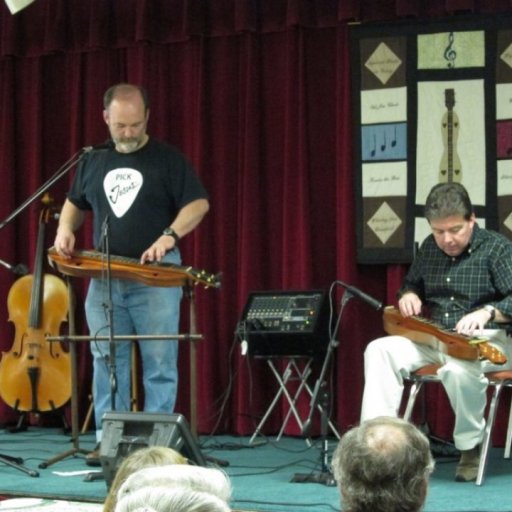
x=125, y=432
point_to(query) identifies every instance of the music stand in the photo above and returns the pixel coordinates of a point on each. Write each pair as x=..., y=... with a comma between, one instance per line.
x=74, y=267
x=74, y=392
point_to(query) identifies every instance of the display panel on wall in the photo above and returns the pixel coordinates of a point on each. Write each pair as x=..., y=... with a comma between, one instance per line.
x=432, y=103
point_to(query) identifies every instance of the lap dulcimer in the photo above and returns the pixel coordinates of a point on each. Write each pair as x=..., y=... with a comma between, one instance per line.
x=426, y=332
x=94, y=264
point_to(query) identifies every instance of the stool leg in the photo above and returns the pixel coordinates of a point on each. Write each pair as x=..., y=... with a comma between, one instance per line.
x=282, y=384
x=301, y=376
x=413, y=393
x=88, y=416
x=486, y=442
x=508, y=442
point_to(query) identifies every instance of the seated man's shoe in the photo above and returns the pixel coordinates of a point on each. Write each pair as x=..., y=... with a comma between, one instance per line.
x=93, y=458
x=467, y=468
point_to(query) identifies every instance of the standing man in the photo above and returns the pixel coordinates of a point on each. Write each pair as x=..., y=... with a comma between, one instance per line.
x=383, y=464
x=145, y=197
x=461, y=278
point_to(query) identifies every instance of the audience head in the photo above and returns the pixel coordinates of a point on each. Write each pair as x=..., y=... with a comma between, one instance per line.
x=383, y=464
x=171, y=499
x=175, y=488
x=139, y=459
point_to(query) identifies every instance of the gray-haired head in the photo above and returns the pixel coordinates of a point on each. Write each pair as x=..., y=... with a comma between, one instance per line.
x=383, y=464
x=171, y=499
x=195, y=478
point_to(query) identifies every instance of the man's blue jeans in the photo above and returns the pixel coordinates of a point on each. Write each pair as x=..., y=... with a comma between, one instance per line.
x=137, y=309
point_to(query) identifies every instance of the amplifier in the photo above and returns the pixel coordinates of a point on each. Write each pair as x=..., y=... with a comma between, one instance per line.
x=125, y=432
x=286, y=323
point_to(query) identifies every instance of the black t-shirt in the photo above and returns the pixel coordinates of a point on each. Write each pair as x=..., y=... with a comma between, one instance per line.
x=139, y=193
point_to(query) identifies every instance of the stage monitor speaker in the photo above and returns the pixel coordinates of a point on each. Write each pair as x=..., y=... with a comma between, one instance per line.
x=286, y=323
x=125, y=432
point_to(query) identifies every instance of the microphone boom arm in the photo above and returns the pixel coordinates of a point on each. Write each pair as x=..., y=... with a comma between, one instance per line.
x=62, y=171
x=356, y=292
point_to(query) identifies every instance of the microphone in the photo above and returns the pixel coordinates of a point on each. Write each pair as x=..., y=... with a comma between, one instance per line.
x=374, y=303
x=105, y=229
x=20, y=269
x=98, y=147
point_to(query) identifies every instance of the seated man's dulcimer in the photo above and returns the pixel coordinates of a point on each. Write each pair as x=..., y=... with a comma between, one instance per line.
x=423, y=331
x=94, y=264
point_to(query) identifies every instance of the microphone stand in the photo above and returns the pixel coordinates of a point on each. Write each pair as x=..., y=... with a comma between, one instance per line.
x=19, y=269
x=321, y=391
x=321, y=396
x=105, y=246
x=15, y=462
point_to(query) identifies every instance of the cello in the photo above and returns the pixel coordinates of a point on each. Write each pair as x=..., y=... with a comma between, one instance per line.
x=35, y=375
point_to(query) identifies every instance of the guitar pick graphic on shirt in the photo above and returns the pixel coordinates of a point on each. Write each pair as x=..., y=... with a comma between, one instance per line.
x=121, y=188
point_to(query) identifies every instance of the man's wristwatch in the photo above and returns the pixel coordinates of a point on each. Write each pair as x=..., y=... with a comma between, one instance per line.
x=491, y=310
x=171, y=232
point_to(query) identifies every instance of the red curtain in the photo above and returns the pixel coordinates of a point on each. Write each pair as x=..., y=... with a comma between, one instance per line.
x=258, y=95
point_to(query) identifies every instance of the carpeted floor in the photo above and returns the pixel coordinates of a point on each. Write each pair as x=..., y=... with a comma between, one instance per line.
x=261, y=475
x=46, y=505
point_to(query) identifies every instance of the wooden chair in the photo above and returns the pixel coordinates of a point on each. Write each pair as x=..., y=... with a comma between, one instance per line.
x=497, y=381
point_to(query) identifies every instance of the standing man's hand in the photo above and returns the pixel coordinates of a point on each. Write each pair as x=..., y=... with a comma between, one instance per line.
x=185, y=222
x=64, y=242
x=70, y=219
x=158, y=249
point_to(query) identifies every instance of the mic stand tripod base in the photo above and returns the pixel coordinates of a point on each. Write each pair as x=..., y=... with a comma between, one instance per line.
x=69, y=453
x=17, y=463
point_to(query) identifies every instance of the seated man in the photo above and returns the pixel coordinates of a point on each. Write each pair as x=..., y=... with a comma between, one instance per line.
x=460, y=278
